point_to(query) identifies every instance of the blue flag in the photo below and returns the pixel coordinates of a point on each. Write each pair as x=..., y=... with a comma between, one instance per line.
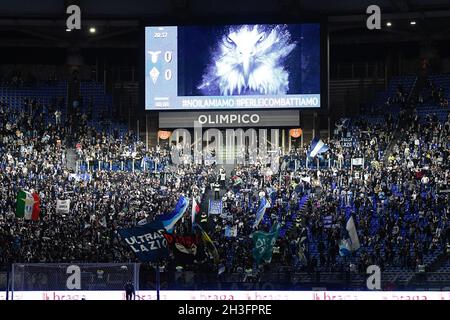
x=215, y=206
x=345, y=248
x=272, y=193
x=317, y=147
x=169, y=220
x=327, y=222
x=351, y=242
x=263, y=205
x=146, y=241
x=230, y=231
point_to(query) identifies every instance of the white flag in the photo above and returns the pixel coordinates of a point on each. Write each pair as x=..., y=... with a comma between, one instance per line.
x=306, y=179
x=62, y=206
x=351, y=228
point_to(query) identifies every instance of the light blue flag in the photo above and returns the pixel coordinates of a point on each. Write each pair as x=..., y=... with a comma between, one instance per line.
x=327, y=222
x=351, y=243
x=169, y=220
x=264, y=204
x=345, y=248
x=272, y=193
x=317, y=147
x=230, y=232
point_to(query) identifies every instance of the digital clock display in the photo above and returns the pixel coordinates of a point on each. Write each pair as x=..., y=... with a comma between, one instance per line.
x=160, y=35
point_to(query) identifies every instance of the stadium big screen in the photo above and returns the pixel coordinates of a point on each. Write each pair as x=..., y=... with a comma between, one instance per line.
x=240, y=66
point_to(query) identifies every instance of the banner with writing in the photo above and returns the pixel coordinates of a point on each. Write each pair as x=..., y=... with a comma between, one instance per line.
x=215, y=207
x=146, y=241
x=357, y=161
x=347, y=142
x=62, y=206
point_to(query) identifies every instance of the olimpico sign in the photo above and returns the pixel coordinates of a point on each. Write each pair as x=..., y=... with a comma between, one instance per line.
x=230, y=119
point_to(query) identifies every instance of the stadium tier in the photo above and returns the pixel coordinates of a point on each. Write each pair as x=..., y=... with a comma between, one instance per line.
x=397, y=199
x=183, y=151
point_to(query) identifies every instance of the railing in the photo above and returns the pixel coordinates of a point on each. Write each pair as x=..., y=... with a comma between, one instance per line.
x=123, y=165
x=412, y=90
x=274, y=281
x=282, y=281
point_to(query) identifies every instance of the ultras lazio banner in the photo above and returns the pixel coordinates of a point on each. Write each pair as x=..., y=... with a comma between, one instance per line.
x=146, y=241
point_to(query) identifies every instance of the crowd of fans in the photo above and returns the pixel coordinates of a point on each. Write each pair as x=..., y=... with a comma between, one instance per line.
x=396, y=195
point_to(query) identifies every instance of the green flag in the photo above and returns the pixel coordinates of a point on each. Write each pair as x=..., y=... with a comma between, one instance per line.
x=263, y=243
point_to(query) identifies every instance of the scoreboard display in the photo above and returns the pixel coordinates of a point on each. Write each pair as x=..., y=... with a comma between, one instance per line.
x=258, y=66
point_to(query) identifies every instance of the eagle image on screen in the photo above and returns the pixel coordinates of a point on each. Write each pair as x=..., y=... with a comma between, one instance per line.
x=249, y=60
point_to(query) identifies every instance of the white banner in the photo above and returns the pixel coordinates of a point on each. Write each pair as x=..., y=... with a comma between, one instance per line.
x=306, y=179
x=357, y=161
x=63, y=206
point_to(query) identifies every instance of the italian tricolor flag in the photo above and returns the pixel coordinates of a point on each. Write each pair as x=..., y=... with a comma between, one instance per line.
x=195, y=210
x=28, y=205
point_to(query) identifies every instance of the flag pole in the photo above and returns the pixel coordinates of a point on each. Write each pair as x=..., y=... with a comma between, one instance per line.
x=7, y=284
x=157, y=280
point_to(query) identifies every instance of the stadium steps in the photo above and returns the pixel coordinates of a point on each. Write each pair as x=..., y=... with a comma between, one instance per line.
x=430, y=107
x=301, y=209
x=43, y=92
x=125, y=98
x=416, y=87
x=73, y=92
x=389, y=150
x=441, y=263
x=379, y=103
x=94, y=93
x=352, y=91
